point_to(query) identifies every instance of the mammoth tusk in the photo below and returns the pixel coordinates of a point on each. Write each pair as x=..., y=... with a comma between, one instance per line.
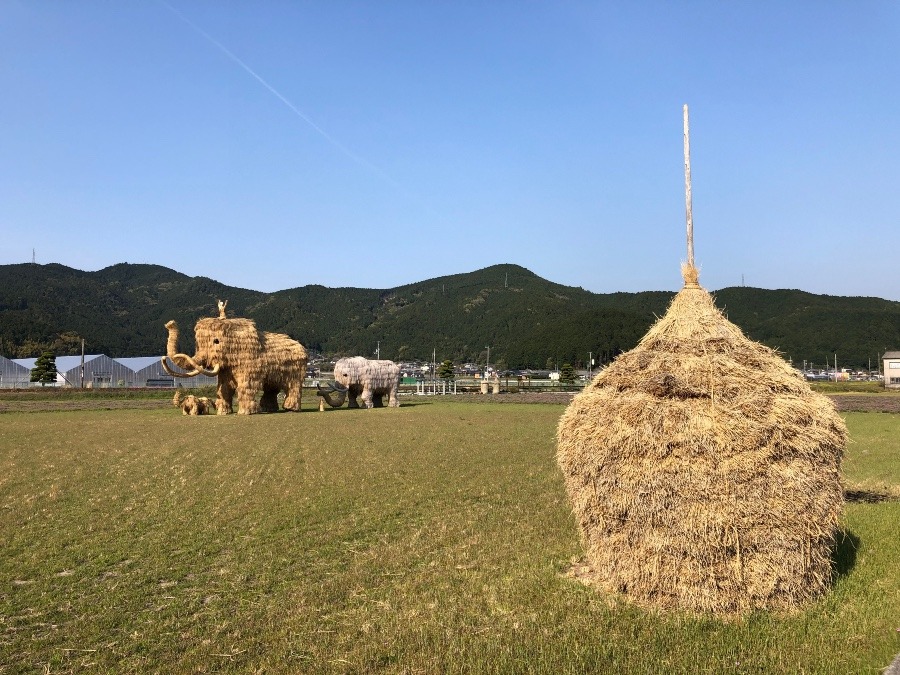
x=332, y=387
x=181, y=359
x=187, y=363
x=175, y=373
x=333, y=393
x=212, y=372
x=197, y=370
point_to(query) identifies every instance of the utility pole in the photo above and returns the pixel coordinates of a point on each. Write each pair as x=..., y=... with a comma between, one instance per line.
x=488, y=364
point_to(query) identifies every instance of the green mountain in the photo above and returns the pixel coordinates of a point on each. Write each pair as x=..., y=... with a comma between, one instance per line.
x=526, y=321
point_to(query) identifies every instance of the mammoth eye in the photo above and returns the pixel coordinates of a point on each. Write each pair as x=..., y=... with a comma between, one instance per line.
x=216, y=341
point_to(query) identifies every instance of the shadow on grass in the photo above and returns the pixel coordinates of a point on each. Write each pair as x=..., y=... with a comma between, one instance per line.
x=345, y=409
x=868, y=497
x=843, y=556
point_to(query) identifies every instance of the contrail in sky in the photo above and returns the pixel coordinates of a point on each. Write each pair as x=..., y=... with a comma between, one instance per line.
x=356, y=158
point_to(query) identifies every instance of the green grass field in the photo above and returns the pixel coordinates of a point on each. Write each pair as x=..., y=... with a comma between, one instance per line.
x=426, y=539
x=848, y=387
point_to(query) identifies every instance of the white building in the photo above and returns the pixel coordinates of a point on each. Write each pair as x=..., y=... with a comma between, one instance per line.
x=100, y=371
x=891, y=370
x=13, y=375
x=148, y=372
x=146, y=369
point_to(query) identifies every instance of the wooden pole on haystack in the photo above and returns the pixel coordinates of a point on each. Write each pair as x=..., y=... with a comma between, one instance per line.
x=689, y=270
x=687, y=189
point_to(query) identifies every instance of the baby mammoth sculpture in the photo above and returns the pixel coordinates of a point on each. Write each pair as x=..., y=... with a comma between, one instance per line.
x=359, y=376
x=190, y=404
x=246, y=362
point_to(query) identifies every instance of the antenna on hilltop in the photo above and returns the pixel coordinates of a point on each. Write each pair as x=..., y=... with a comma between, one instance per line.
x=33, y=257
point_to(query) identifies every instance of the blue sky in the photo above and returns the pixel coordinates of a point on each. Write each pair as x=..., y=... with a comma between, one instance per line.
x=270, y=145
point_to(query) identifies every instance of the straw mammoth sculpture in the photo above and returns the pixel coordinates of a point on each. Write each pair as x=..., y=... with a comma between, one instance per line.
x=192, y=405
x=359, y=376
x=247, y=362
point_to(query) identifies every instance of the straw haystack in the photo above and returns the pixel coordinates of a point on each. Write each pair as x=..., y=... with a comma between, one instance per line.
x=703, y=470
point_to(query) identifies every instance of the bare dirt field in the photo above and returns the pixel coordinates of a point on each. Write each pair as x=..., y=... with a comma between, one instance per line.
x=843, y=402
x=889, y=403
x=49, y=405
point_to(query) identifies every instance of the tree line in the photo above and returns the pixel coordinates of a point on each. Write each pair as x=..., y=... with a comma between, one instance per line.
x=525, y=321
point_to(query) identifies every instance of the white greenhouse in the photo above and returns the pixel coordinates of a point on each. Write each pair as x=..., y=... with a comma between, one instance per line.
x=13, y=375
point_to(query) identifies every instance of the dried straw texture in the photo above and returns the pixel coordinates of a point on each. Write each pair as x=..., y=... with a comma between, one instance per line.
x=703, y=470
x=192, y=405
x=248, y=363
x=369, y=379
x=253, y=362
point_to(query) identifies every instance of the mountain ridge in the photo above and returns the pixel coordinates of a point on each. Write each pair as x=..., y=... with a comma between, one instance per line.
x=527, y=321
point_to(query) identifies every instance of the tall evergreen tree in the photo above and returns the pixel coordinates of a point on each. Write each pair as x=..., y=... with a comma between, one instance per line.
x=445, y=370
x=44, y=370
x=567, y=374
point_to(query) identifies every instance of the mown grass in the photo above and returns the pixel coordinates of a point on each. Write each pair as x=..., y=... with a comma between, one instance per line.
x=429, y=538
x=851, y=387
x=872, y=463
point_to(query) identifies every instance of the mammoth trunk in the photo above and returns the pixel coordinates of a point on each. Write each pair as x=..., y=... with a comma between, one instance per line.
x=334, y=394
x=172, y=343
x=182, y=361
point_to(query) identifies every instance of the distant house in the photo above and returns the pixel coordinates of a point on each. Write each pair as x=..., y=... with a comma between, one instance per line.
x=13, y=375
x=891, y=369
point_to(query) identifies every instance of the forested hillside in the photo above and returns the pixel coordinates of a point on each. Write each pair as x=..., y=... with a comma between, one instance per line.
x=526, y=321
